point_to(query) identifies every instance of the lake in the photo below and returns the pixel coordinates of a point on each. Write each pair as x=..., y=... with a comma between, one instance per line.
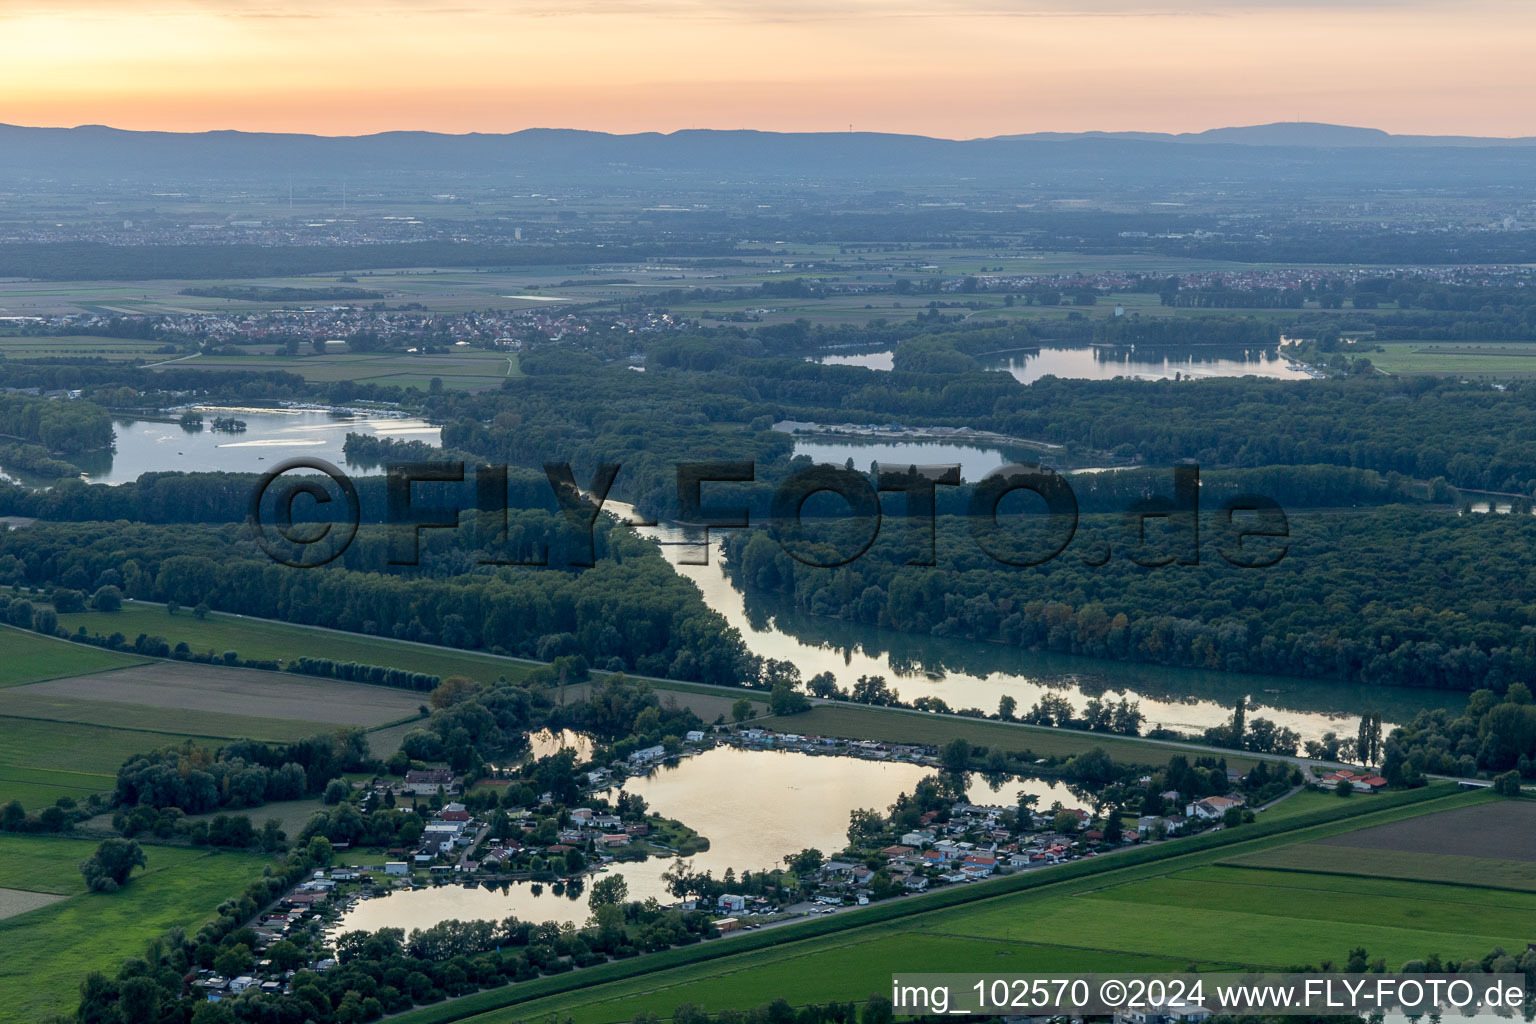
x=975, y=461
x=976, y=673
x=271, y=435
x=795, y=801
x=1091, y=363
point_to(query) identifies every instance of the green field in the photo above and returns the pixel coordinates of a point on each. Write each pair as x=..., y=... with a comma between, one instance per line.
x=42, y=761
x=78, y=346
x=49, y=950
x=468, y=369
x=1304, y=802
x=26, y=657
x=267, y=639
x=1444, y=868
x=891, y=726
x=1491, y=360
x=1159, y=908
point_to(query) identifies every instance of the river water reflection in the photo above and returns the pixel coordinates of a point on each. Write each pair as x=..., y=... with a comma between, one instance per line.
x=1088, y=362
x=973, y=673
x=270, y=436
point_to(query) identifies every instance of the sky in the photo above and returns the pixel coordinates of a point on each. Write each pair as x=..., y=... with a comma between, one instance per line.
x=948, y=68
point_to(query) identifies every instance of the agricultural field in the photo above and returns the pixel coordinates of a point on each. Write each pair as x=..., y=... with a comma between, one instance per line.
x=898, y=726
x=77, y=347
x=168, y=687
x=67, y=734
x=1438, y=849
x=41, y=761
x=266, y=639
x=26, y=657
x=470, y=369
x=1180, y=911
x=1477, y=360
x=51, y=948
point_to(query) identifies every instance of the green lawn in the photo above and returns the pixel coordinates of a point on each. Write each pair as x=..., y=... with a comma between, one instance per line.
x=853, y=721
x=26, y=657
x=48, y=951
x=266, y=638
x=1305, y=802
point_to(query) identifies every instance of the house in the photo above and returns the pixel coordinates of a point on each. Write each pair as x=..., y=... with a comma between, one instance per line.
x=835, y=868
x=428, y=781
x=915, y=883
x=396, y=867
x=892, y=852
x=1360, y=782
x=611, y=841
x=459, y=817
x=648, y=755
x=694, y=736
x=1212, y=807
x=986, y=864
x=241, y=983
x=731, y=903
x=917, y=839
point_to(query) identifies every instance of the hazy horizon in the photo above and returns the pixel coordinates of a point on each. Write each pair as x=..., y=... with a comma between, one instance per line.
x=343, y=134
x=956, y=70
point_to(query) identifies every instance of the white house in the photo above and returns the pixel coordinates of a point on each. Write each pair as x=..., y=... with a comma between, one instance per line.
x=733, y=904
x=396, y=867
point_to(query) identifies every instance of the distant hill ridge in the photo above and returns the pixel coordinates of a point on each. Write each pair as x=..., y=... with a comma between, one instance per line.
x=1288, y=153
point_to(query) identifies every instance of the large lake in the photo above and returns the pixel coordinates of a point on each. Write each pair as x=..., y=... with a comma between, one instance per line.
x=271, y=435
x=975, y=673
x=1095, y=363
x=795, y=801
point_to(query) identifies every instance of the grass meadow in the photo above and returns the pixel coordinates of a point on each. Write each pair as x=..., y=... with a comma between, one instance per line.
x=49, y=950
x=268, y=639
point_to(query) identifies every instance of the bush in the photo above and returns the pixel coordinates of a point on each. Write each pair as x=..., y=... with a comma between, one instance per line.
x=111, y=864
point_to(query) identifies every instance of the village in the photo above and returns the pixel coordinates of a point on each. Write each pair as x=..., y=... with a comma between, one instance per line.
x=477, y=832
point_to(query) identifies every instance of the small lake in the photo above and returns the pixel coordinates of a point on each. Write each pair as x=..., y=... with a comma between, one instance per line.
x=975, y=461
x=795, y=801
x=883, y=360
x=271, y=435
x=1090, y=363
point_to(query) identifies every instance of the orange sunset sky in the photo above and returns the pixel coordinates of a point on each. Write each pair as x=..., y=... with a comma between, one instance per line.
x=954, y=68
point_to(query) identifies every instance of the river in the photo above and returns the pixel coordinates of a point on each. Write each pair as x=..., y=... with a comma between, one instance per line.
x=974, y=673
